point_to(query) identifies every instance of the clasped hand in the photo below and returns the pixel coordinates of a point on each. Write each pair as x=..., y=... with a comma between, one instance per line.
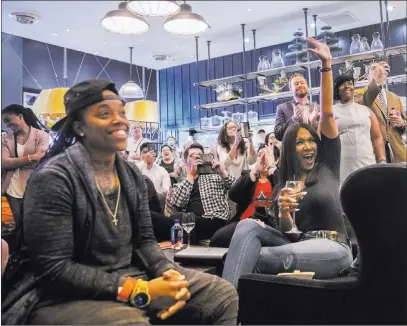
x=171, y=284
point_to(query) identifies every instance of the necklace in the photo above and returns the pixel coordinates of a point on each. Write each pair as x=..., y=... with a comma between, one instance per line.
x=115, y=220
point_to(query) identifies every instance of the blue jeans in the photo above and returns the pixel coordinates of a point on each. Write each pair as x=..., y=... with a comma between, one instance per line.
x=266, y=250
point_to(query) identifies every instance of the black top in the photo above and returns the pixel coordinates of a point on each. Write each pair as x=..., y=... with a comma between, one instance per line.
x=169, y=167
x=320, y=209
x=195, y=202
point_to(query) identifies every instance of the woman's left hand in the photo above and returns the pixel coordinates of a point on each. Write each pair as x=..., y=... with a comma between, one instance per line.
x=321, y=50
x=216, y=165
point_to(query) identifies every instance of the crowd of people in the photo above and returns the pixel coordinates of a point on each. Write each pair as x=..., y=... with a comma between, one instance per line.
x=92, y=206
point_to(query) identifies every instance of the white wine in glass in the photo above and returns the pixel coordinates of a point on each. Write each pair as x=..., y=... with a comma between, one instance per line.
x=188, y=224
x=296, y=186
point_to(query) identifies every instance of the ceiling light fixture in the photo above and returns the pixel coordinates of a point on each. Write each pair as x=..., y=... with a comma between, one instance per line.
x=122, y=21
x=249, y=10
x=390, y=8
x=54, y=34
x=131, y=89
x=67, y=30
x=185, y=22
x=153, y=8
x=312, y=25
x=247, y=40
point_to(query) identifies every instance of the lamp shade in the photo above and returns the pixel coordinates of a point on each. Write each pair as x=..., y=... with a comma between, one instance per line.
x=131, y=90
x=185, y=22
x=50, y=101
x=153, y=8
x=122, y=21
x=144, y=110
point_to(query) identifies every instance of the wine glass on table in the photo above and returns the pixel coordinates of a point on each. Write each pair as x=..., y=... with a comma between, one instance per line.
x=296, y=187
x=188, y=224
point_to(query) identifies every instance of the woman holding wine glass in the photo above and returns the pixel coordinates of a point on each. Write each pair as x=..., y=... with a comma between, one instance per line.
x=311, y=232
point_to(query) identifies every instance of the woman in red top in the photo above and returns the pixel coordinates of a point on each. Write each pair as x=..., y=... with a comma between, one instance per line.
x=252, y=192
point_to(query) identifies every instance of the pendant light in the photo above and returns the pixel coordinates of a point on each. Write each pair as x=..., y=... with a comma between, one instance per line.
x=122, y=21
x=131, y=89
x=185, y=22
x=153, y=8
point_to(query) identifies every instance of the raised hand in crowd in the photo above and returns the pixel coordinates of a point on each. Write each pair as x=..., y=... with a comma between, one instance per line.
x=192, y=167
x=379, y=72
x=220, y=167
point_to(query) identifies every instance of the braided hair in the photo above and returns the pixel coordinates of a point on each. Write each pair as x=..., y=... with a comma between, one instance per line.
x=29, y=116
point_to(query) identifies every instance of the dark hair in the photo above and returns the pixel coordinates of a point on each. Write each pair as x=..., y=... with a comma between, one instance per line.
x=65, y=136
x=289, y=160
x=29, y=116
x=261, y=146
x=338, y=82
x=223, y=140
x=144, y=145
x=163, y=146
x=195, y=145
x=266, y=139
x=261, y=130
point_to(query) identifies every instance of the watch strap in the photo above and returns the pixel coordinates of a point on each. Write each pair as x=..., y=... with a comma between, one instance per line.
x=124, y=292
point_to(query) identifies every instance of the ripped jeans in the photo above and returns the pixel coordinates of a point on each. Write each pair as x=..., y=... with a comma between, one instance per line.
x=267, y=251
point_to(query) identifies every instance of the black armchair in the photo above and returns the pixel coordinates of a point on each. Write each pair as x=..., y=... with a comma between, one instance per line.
x=375, y=201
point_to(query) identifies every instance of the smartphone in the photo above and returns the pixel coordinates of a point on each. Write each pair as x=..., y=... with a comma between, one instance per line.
x=206, y=158
x=244, y=129
x=392, y=112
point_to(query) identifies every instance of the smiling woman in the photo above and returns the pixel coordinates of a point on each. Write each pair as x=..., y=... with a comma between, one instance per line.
x=85, y=214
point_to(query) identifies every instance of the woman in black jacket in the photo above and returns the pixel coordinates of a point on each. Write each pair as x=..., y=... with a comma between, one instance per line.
x=252, y=192
x=85, y=215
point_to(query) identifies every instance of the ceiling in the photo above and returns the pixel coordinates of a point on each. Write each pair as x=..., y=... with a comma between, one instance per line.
x=77, y=25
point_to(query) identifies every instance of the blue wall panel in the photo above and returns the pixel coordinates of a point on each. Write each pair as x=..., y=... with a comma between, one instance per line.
x=44, y=69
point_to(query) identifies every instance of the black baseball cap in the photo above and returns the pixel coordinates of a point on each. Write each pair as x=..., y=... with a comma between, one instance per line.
x=339, y=81
x=84, y=94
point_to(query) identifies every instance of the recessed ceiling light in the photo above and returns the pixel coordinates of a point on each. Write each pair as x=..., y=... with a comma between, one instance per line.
x=312, y=25
x=192, y=56
x=390, y=8
x=54, y=34
x=67, y=30
x=247, y=40
x=249, y=10
x=96, y=52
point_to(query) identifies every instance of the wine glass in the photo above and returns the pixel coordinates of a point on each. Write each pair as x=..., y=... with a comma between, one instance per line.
x=188, y=224
x=296, y=186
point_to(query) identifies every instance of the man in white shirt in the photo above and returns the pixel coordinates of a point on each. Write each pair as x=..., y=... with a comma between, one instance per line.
x=134, y=145
x=157, y=174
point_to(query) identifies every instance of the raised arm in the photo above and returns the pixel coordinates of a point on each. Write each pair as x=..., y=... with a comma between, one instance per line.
x=327, y=123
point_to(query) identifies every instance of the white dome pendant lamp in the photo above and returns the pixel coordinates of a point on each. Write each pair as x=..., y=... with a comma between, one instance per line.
x=153, y=8
x=131, y=89
x=185, y=22
x=124, y=22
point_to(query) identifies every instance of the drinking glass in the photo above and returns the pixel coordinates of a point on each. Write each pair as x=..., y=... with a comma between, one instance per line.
x=188, y=224
x=296, y=186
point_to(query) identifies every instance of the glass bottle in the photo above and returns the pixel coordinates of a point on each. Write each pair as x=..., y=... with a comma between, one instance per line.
x=365, y=45
x=377, y=44
x=356, y=45
x=277, y=59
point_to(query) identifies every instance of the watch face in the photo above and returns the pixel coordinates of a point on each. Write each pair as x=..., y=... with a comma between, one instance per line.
x=141, y=300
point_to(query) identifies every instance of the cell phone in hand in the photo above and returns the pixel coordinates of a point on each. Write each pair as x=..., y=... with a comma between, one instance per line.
x=206, y=167
x=244, y=129
x=206, y=158
x=392, y=112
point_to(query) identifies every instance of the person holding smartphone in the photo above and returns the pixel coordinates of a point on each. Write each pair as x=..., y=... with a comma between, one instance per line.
x=235, y=151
